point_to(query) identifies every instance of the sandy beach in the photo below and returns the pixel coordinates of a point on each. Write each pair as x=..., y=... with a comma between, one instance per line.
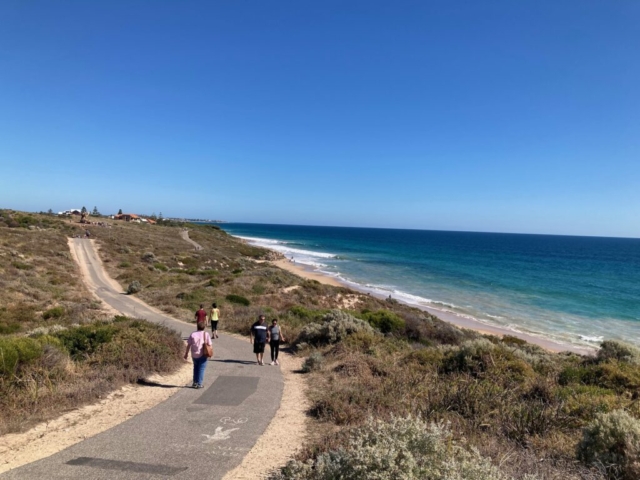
x=460, y=321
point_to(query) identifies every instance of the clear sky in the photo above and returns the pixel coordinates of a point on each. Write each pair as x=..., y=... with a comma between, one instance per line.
x=509, y=116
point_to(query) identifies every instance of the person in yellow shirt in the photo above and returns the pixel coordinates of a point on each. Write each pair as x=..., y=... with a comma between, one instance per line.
x=214, y=316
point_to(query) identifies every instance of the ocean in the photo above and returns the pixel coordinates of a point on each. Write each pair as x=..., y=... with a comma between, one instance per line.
x=572, y=290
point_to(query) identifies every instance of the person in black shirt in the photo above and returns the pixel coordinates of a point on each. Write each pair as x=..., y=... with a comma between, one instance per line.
x=258, y=336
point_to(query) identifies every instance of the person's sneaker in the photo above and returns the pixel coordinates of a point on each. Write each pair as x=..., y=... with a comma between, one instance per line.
x=194, y=385
x=277, y=363
x=200, y=386
x=272, y=363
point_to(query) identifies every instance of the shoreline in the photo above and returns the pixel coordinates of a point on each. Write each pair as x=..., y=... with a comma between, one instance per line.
x=311, y=273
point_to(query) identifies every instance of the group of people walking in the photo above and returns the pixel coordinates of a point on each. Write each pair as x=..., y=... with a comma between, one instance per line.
x=201, y=347
x=261, y=334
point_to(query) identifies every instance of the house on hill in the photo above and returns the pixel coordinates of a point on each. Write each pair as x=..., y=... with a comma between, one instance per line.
x=128, y=217
x=71, y=211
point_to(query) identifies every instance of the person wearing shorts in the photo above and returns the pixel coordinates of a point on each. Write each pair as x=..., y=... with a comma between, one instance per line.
x=214, y=316
x=258, y=336
x=275, y=337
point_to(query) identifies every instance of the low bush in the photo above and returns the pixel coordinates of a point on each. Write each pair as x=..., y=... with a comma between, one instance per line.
x=384, y=320
x=239, y=299
x=16, y=352
x=22, y=266
x=313, y=362
x=336, y=326
x=161, y=267
x=306, y=313
x=148, y=257
x=622, y=352
x=134, y=287
x=612, y=440
x=473, y=357
x=402, y=448
x=55, y=312
x=82, y=342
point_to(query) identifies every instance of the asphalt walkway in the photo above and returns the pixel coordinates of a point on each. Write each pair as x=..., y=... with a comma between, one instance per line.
x=194, y=434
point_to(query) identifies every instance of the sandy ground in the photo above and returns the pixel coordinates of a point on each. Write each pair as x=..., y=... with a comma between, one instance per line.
x=306, y=273
x=457, y=320
x=47, y=438
x=287, y=431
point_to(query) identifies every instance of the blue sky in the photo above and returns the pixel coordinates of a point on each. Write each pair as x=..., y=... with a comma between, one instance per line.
x=509, y=116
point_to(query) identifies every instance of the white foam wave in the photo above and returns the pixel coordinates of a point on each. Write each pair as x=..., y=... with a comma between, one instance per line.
x=265, y=241
x=281, y=246
x=591, y=338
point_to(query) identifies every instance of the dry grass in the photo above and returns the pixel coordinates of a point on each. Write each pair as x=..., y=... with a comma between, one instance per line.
x=43, y=302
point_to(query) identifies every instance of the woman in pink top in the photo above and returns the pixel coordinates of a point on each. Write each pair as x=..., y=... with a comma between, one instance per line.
x=196, y=343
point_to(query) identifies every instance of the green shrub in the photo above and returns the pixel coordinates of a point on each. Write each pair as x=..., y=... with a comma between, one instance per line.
x=160, y=266
x=239, y=299
x=611, y=374
x=384, y=320
x=55, y=312
x=22, y=266
x=313, y=362
x=402, y=448
x=622, y=352
x=237, y=271
x=336, y=326
x=124, y=265
x=473, y=356
x=134, y=287
x=17, y=351
x=82, y=342
x=613, y=439
x=7, y=328
x=306, y=313
x=515, y=341
x=148, y=257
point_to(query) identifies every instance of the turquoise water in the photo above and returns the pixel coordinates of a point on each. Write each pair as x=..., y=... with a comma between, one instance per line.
x=577, y=290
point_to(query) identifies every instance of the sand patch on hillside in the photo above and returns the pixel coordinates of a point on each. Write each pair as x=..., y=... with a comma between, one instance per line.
x=47, y=438
x=306, y=273
x=287, y=431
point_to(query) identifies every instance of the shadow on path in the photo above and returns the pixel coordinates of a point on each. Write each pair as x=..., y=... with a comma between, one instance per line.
x=147, y=383
x=242, y=362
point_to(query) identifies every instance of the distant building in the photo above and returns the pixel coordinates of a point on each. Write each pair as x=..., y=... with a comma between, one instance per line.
x=128, y=217
x=71, y=211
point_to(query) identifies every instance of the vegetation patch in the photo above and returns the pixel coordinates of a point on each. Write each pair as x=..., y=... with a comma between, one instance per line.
x=238, y=299
x=54, y=313
x=406, y=448
x=45, y=374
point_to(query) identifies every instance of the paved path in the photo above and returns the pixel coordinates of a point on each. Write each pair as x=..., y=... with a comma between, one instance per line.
x=194, y=434
x=185, y=235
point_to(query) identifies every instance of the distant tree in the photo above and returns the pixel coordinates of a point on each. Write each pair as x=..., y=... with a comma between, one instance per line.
x=84, y=210
x=160, y=216
x=95, y=212
x=49, y=212
x=153, y=216
x=120, y=212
